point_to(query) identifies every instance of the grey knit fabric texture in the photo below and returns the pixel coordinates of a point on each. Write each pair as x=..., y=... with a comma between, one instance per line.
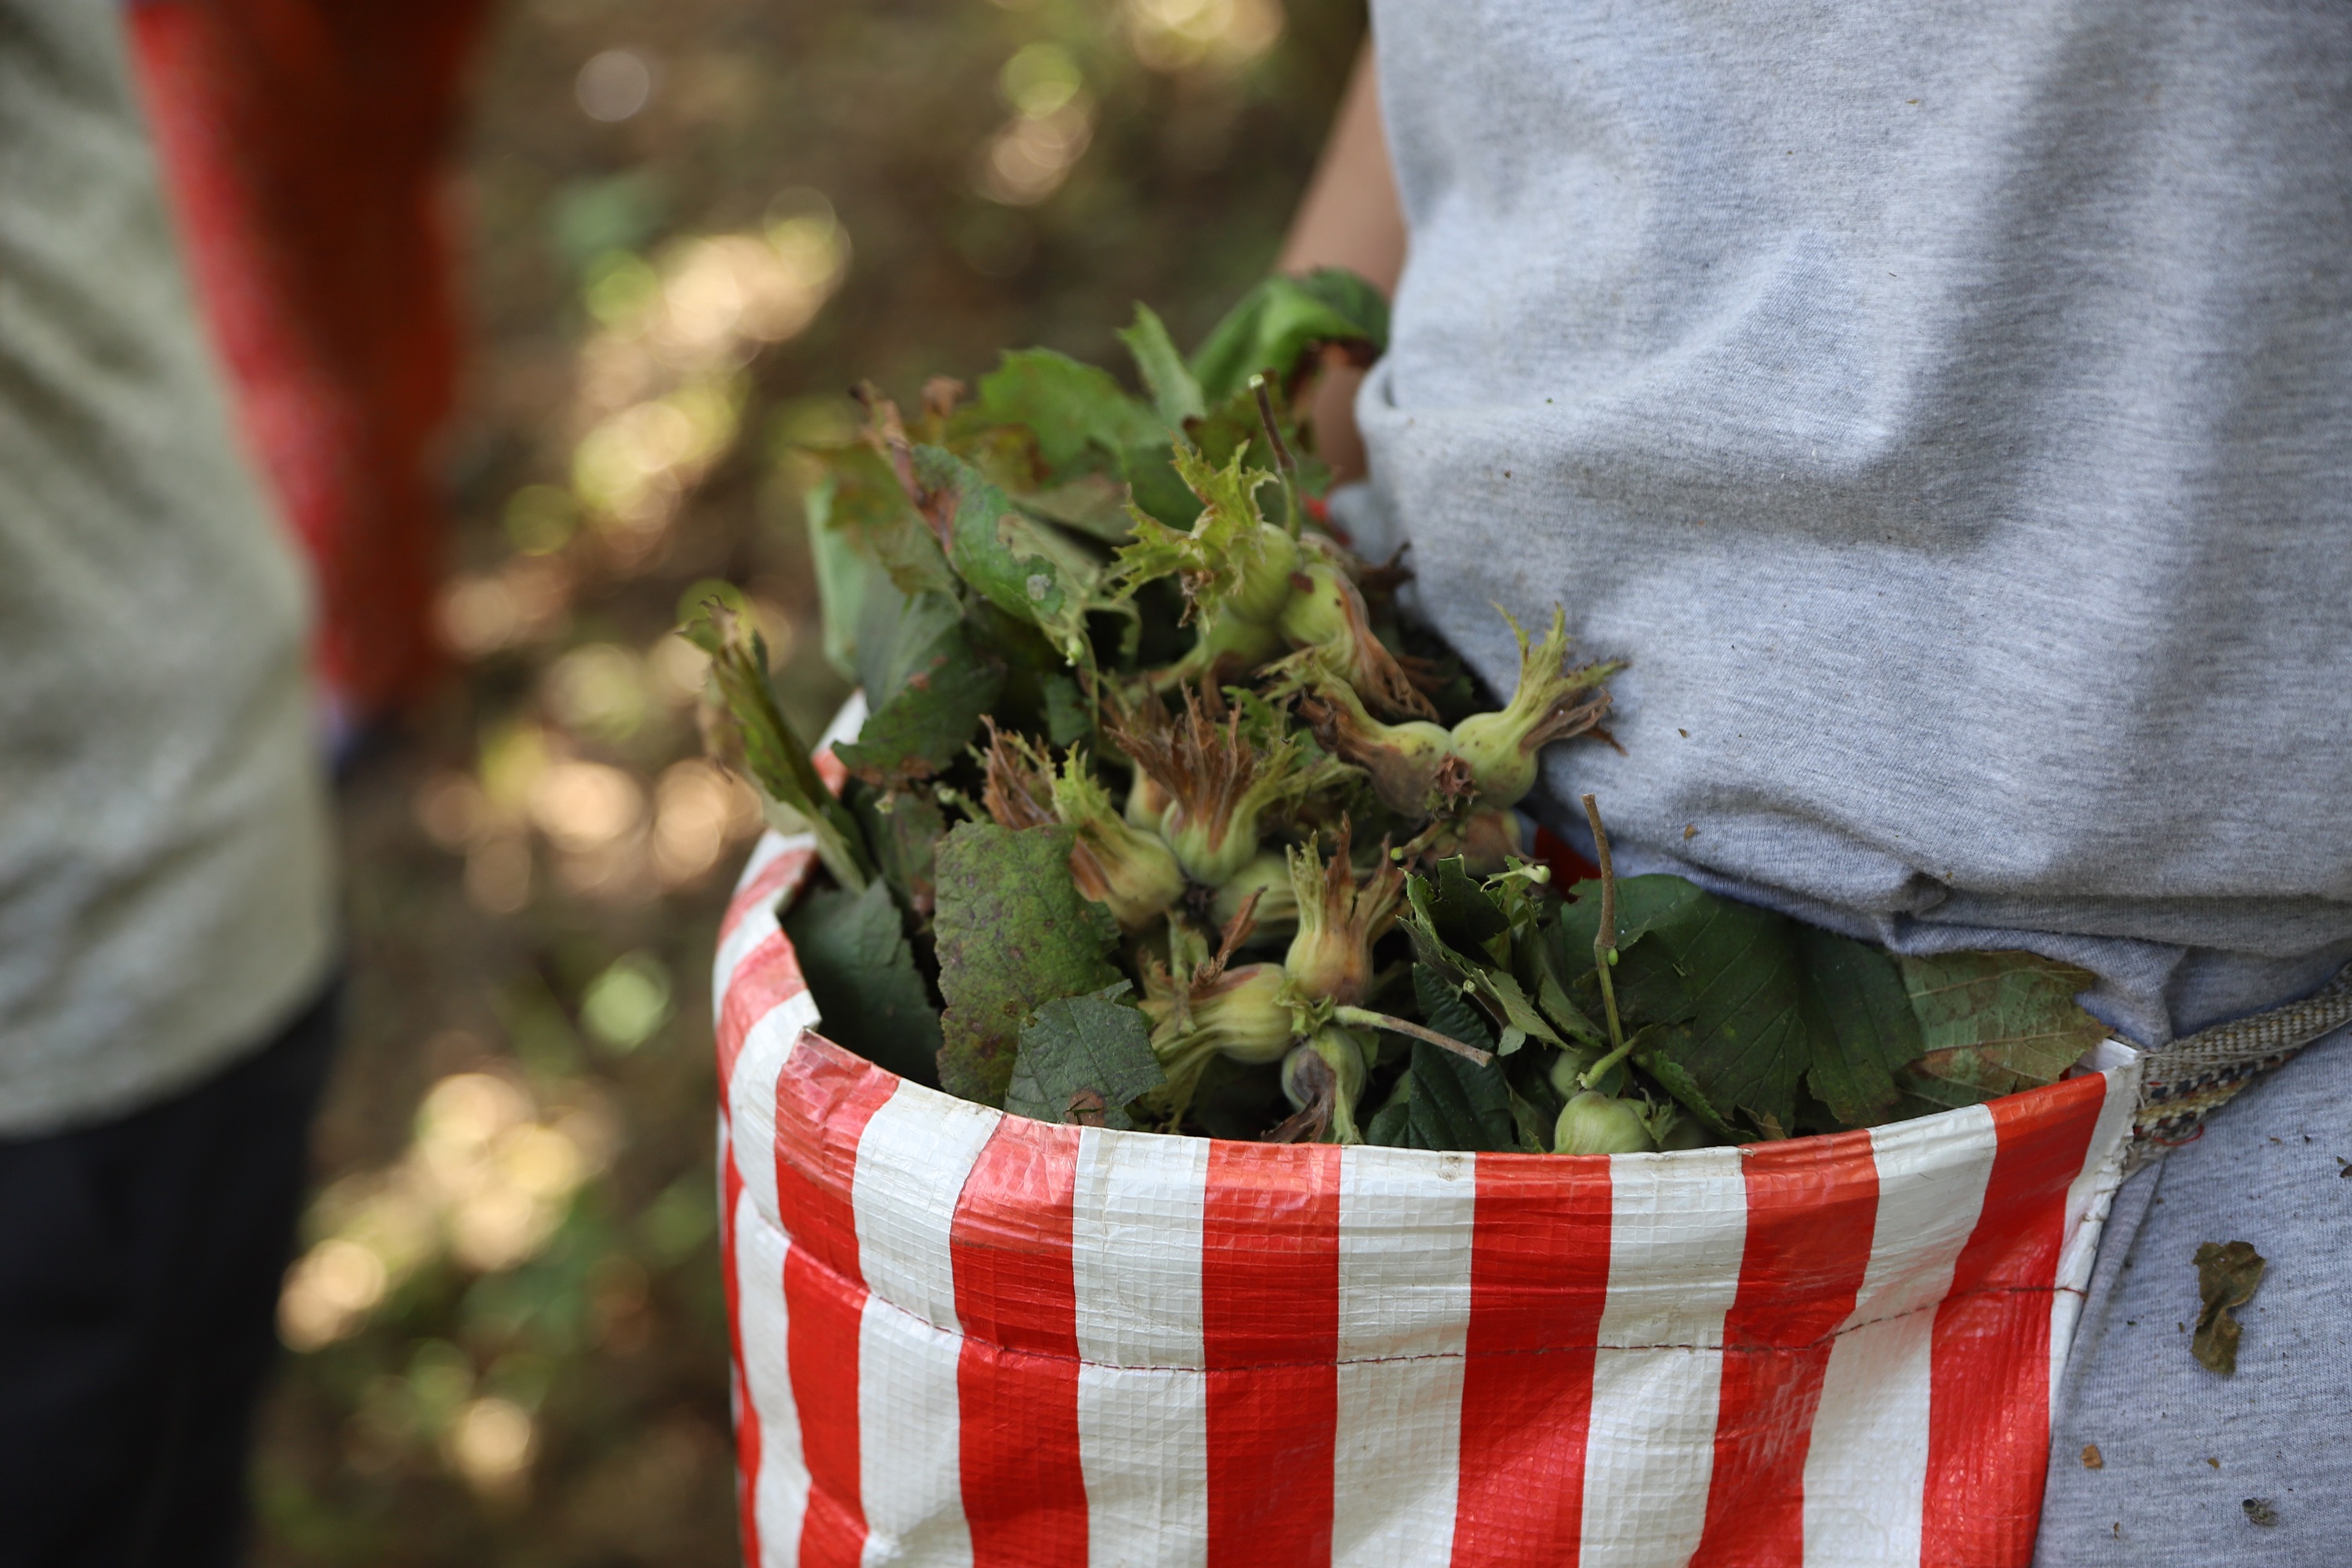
x=1948, y=411
x=164, y=893
x=2182, y=1450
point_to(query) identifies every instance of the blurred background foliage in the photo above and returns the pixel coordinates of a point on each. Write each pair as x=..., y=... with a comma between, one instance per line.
x=691, y=227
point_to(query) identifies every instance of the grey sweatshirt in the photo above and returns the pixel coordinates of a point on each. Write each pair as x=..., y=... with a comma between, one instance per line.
x=164, y=887
x=1948, y=411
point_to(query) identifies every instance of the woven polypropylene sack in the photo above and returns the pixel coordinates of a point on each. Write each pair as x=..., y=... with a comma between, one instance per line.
x=964, y=1337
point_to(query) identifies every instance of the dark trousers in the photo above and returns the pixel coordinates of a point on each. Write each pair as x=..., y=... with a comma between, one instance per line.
x=140, y=1263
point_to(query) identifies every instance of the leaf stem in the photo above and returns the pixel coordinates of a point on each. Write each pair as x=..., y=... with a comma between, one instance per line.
x=1283, y=460
x=1365, y=1019
x=1605, y=945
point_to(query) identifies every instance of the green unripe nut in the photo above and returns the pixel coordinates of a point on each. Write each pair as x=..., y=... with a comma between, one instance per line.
x=1593, y=1123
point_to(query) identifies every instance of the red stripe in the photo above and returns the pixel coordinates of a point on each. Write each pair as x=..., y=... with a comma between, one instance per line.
x=1025, y=1492
x=746, y=1415
x=1539, y=1281
x=1988, y=1401
x=830, y=768
x=782, y=875
x=824, y=1097
x=1812, y=1206
x=768, y=978
x=821, y=1351
x=1270, y=1340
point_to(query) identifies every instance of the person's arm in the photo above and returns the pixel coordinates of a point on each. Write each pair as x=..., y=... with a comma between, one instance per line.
x=1349, y=218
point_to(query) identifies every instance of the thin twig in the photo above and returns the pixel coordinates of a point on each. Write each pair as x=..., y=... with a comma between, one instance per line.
x=1283, y=460
x=1605, y=945
x=1365, y=1019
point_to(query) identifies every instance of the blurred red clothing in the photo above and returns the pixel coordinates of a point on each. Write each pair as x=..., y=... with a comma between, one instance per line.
x=303, y=144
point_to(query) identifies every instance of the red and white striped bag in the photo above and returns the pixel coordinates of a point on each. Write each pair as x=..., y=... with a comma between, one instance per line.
x=963, y=1337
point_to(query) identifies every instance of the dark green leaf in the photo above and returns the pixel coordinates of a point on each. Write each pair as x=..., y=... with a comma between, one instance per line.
x=1494, y=986
x=1464, y=915
x=1080, y=1046
x=1069, y=718
x=1994, y=1022
x=1459, y=1104
x=1443, y=1009
x=1066, y=404
x=1643, y=903
x=1392, y=1125
x=1174, y=393
x=1276, y=324
x=1538, y=965
x=903, y=829
x=1455, y=1103
x=1535, y=1126
x=861, y=975
x=933, y=711
x=1013, y=933
x=1657, y=1059
x=1730, y=971
x=1863, y=1030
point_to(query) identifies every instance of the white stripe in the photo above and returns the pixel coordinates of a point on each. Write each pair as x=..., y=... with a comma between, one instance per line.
x=1866, y=1467
x=847, y=720
x=1405, y=1230
x=912, y=1161
x=759, y=922
x=752, y=1096
x=1136, y=1237
x=779, y=1490
x=2088, y=1198
x=1678, y=1224
x=909, y=1458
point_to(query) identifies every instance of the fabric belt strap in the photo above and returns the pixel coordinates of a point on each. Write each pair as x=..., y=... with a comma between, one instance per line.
x=2195, y=1076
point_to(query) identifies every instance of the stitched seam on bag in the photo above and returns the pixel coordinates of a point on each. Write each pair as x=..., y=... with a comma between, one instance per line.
x=874, y=1297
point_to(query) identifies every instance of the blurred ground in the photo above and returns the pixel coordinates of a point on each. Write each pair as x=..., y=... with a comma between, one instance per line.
x=694, y=224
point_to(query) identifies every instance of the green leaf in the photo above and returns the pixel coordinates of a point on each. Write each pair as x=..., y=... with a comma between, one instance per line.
x=1276, y=324
x=1863, y=1030
x=903, y=828
x=1643, y=903
x=1067, y=405
x=1537, y=965
x=1459, y=1104
x=1456, y=1104
x=1535, y=1126
x=1094, y=503
x=843, y=576
x=751, y=732
x=1730, y=971
x=1464, y=916
x=932, y=713
x=1016, y=562
x=1656, y=1060
x=857, y=498
x=1069, y=717
x=861, y=973
x=1497, y=990
x=1174, y=393
x=1078, y=1045
x=1392, y=1125
x=1444, y=1010
x=1994, y=1022
x=899, y=636
x=1013, y=933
